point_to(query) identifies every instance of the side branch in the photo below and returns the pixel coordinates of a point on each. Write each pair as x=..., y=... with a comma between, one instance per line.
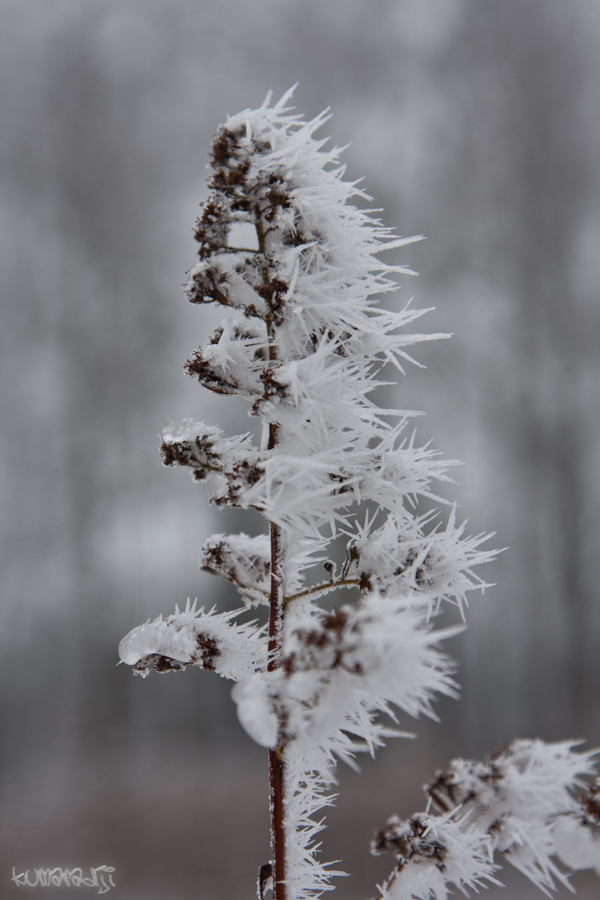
x=319, y=590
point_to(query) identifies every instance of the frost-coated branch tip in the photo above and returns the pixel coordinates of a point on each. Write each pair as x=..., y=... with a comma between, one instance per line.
x=521, y=803
x=213, y=641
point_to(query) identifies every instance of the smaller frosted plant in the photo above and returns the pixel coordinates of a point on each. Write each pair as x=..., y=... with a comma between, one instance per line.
x=304, y=342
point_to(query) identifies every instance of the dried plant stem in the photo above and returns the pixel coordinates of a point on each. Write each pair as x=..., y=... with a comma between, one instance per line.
x=276, y=755
x=276, y=787
x=276, y=611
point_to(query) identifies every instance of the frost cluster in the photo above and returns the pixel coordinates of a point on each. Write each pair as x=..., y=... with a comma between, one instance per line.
x=520, y=802
x=195, y=638
x=242, y=560
x=434, y=852
x=338, y=670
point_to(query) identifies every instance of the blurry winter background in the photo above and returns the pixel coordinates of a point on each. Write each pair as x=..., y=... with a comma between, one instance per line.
x=473, y=123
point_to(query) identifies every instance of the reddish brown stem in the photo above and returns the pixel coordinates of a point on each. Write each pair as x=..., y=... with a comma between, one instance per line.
x=276, y=789
x=276, y=755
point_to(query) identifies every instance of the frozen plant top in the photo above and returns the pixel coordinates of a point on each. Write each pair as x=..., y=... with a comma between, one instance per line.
x=304, y=341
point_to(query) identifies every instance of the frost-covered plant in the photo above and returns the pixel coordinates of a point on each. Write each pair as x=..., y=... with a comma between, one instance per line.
x=305, y=343
x=519, y=802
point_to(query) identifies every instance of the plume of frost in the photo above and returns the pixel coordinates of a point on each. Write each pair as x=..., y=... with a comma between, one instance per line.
x=195, y=638
x=338, y=670
x=434, y=854
x=242, y=560
x=521, y=802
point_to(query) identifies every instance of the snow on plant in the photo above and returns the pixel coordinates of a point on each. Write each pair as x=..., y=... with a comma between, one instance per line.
x=519, y=802
x=304, y=341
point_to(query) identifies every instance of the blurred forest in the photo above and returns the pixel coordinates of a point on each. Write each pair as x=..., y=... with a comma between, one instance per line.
x=473, y=123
